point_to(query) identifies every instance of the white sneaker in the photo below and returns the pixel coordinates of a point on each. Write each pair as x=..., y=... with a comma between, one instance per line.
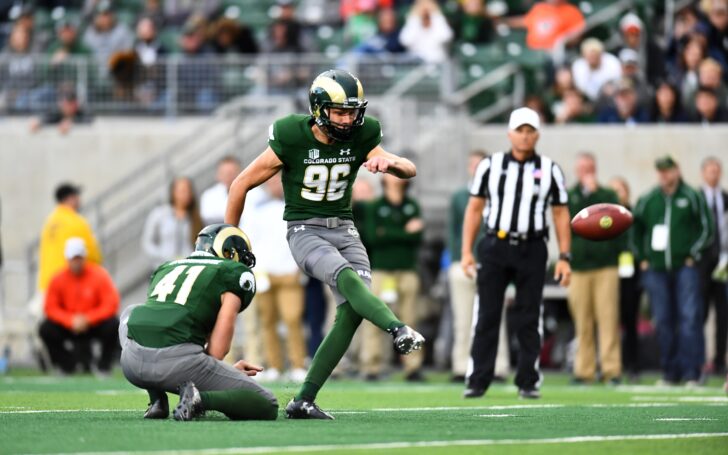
x=269, y=375
x=297, y=375
x=692, y=384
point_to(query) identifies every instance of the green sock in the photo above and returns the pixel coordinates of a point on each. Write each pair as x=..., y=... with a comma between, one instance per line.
x=366, y=304
x=240, y=404
x=332, y=349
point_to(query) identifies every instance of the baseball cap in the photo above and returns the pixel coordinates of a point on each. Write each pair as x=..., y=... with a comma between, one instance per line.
x=630, y=23
x=628, y=55
x=66, y=189
x=524, y=116
x=664, y=163
x=75, y=247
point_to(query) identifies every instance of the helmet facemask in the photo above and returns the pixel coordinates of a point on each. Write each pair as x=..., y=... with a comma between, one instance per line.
x=338, y=131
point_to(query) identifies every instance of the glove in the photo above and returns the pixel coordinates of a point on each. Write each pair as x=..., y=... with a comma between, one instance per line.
x=721, y=270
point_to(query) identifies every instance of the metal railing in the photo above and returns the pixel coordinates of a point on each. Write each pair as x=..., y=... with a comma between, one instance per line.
x=180, y=84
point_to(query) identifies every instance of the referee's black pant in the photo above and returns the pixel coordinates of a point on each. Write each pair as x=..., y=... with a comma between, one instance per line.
x=501, y=262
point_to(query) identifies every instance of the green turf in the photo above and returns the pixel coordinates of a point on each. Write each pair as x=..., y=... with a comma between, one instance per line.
x=83, y=414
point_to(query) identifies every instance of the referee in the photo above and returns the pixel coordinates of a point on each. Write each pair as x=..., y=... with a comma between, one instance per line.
x=511, y=191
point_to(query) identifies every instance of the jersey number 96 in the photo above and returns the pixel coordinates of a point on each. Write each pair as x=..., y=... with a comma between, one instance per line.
x=321, y=183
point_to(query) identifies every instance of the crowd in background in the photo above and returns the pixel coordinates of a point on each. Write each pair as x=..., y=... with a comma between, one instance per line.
x=642, y=74
x=612, y=335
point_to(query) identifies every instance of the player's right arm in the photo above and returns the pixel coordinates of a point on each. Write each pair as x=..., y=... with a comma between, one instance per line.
x=265, y=166
x=222, y=334
x=471, y=225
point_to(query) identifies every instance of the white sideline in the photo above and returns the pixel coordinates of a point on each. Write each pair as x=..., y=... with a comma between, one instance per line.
x=408, y=445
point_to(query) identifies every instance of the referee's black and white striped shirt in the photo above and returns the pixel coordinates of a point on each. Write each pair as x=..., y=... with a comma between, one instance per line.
x=518, y=193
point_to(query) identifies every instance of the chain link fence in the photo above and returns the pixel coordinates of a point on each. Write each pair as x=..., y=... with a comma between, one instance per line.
x=178, y=85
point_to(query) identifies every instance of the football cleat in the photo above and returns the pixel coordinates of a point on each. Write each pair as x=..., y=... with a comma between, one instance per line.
x=529, y=394
x=304, y=409
x=473, y=392
x=159, y=409
x=406, y=340
x=190, y=402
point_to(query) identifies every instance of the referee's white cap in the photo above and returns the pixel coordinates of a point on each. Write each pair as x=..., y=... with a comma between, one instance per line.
x=524, y=116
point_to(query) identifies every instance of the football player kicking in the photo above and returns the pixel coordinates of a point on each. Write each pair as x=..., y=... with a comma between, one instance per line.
x=191, y=303
x=320, y=155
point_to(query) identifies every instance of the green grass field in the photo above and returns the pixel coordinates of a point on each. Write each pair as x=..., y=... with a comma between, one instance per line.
x=83, y=414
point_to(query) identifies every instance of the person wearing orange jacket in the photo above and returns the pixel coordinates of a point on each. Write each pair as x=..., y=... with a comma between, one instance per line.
x=80, y=306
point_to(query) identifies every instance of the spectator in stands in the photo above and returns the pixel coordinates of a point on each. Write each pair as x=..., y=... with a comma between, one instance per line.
x=178, y=12
x=147, y=46
x=18, y=76
x=293, y=29
x=593, y=292
x=426, y=33
x=106, y=36
x=362, y=25
x=147, y=81
x=349, y=7
x=667, y=248
x=67, y=113
x=714, y=291
x=231, y=37
x=394, y=231
x=63, y=223
x=386, y=40
x=80, y=307
x=67, y=43
x=631, y=69
x=707, y=107
x=716, y=30
x=595, y=68
x=536, y=102
x=626, y=109
x=549, y=23
x=171, y=229
x=25, y=18
x=472, y=23
x=153, y=9
x=573, y=109
x=650, y=55
x=280, y=295
x=710, y=75
x=684, y=71
x=667, y=107
x=629, y=290
x=214, y=199
x=563, y=81
x=198, y=79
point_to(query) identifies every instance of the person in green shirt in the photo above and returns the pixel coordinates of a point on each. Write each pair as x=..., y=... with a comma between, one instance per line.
x=594, y=291
x=319, y=156
x=672, y=228
x=176, y=340
x=393, y=229
x=67, y=43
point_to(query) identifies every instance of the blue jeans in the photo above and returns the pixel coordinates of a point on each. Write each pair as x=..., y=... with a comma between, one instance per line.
x=677, y=309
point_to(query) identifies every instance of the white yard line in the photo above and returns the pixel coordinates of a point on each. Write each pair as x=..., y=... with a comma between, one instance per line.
x=683, y=419
x=61, y=411
x=420, y=444
x=496, y=416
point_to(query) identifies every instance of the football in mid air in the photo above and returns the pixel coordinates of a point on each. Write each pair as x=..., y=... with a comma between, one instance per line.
x=601, y=221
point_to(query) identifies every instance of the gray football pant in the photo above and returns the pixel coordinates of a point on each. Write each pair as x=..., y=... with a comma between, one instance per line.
x=323, y=252
x=164, y=369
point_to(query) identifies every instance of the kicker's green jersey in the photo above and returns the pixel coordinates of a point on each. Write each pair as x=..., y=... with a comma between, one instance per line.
x=183, y=300
x=317, y=177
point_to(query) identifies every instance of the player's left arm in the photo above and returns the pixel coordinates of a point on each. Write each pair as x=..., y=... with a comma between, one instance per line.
x=222, y=334
x=379, y=160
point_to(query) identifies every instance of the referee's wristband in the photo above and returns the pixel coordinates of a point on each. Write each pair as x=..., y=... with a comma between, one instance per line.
x=565, y=257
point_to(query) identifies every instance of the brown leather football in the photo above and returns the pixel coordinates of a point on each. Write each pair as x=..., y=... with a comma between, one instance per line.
x=601, y=221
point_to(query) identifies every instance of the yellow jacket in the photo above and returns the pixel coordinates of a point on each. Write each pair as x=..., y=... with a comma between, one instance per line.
x=62, y=224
